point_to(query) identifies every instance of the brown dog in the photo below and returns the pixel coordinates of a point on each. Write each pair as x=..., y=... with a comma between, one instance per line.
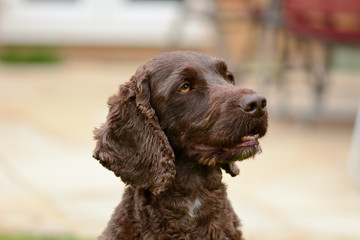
x=169, y=131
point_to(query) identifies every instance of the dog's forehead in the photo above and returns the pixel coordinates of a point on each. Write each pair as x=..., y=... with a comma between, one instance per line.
x=169, y=68
x=175, y=60
x=167, y=64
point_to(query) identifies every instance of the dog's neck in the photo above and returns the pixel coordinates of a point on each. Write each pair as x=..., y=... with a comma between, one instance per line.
x=196, y=191
x=193, y=180
x=192, y=176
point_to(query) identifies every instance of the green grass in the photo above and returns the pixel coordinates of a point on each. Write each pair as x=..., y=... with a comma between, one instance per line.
x=18, y=54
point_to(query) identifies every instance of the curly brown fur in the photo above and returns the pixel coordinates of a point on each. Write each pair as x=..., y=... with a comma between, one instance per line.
x=169, y=132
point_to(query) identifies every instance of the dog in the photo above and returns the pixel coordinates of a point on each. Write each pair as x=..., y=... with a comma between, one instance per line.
x=169, y=132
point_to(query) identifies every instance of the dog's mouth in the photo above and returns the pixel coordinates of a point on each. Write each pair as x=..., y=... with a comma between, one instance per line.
x=248, y=146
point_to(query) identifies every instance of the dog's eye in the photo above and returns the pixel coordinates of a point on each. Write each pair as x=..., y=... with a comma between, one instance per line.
x=230, y=77
x=185, y=88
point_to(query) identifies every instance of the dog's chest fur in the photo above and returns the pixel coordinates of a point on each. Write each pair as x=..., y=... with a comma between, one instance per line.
x=188, y=210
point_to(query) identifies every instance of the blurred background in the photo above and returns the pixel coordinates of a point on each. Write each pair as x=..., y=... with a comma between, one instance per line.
x=62, y=59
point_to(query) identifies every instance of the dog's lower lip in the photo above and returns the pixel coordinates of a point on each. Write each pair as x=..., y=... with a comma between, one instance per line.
x=205, y=148
x=241, y=145
x=246, y=141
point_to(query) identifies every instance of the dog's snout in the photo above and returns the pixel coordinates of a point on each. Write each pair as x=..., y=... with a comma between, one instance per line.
x=255, y=104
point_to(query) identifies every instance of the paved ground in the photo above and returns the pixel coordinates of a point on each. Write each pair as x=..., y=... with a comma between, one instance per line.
x=298, y=188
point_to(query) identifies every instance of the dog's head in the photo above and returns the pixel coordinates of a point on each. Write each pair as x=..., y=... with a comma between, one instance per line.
x=182, y=102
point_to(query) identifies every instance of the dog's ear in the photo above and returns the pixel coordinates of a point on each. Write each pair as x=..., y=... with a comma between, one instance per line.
x=131, y=142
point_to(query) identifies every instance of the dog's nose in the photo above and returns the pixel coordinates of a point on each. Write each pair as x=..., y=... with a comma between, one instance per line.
x=255, y=104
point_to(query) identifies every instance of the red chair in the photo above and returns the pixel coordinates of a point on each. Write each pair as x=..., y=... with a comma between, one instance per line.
x=336, y=21
x=326, y=22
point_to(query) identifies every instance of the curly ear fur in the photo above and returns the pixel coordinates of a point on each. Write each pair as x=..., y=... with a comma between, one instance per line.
x=131, y=142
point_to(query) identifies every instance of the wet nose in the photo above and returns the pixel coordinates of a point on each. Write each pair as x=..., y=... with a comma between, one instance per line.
x=254, y=104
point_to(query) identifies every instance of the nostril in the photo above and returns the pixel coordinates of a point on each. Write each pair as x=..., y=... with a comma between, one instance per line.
x=254, y=104
x=263, y=103
x=250, y=107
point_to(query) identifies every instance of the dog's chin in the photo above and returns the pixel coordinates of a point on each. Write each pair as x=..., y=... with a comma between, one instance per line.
x=214, y=155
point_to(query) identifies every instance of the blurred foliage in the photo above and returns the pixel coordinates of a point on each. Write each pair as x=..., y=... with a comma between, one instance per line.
x=19, y=54
x=347, y=58
x=38, y=237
